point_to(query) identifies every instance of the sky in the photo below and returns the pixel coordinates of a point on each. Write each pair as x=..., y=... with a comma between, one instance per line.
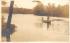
x=30, y=4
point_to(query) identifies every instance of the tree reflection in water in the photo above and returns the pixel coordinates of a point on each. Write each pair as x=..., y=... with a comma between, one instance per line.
x=9, y=31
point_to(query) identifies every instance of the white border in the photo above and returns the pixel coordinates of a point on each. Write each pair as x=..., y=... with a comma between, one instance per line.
x=0, y=20
x=35, y=42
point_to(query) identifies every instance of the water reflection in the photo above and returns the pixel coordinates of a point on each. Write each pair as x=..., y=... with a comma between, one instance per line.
x=31, y=28
x=9, y=31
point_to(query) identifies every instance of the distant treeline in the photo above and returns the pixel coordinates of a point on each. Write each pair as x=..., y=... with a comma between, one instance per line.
x=51, y=10
x=41, y=10
x=17, y=10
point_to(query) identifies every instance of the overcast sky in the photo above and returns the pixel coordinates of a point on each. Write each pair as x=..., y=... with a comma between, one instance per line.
x=30, y=4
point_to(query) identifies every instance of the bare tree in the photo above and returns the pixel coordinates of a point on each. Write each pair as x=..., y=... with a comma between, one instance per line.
x=39, y=8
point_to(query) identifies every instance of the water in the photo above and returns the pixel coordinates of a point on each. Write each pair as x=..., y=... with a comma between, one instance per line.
x=30, y=28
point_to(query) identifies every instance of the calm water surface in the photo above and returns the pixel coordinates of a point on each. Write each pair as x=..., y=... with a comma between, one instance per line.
x=30, y=28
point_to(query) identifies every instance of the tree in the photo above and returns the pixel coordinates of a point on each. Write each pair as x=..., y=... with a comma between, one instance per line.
x=12, y=30
x=65, y=11
x=39, y=8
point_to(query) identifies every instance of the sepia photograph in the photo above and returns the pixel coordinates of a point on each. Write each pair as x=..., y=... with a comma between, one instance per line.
x=34, y=20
